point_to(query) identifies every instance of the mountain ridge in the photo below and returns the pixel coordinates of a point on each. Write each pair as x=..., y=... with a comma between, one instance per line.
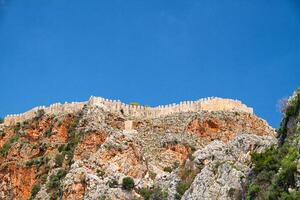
x=90, y=153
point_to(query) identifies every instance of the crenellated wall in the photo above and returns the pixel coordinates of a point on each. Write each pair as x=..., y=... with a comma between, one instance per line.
x=209, y=104
x=55, y=108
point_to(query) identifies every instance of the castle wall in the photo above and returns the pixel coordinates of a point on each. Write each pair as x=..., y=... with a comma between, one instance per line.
x=209, y=104
x=56, y=108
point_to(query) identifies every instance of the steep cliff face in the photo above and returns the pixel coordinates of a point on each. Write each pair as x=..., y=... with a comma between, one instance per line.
x=87, y=154
x=276, y=172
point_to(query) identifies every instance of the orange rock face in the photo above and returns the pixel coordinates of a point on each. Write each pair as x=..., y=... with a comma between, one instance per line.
x=16, y=177
x=99, y=142
x=89, y=144
x=127, y=161
x=179, y=151
x=226, y=128
x=19, y=179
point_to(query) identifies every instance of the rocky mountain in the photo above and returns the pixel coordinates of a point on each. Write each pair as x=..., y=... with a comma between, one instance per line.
x=276, y=172
x=107, y=150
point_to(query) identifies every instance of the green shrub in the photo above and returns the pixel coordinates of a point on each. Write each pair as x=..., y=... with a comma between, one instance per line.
x=42, y=160
x=74, y=137
x=127, y=183
x=265, y=176
x=35, y=189
x=43, y=178
x=29, y=163
x=48, y=132
x=14, y=139
x=54, y=180
x=252, y=191
x=286, y=177
x=1, y=120
x=5, y=148
x=38, y=162
x=154, y=194
x=62, y=148
x=182, y=187
x=59, y=158
x=61, y=173
x=292, y=108
x=191, y=157
x=145, y=193
x=267, y=160
x=291, y=196
x=168, y=169
x=159, y=194
x=275, y=169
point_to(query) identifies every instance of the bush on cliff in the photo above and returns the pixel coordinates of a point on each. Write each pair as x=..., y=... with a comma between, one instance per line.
x=275, y=169
x=5, y=148
x=128, y=183
x=253, y=191
x=293, y=105
x=54, y=181
x=181, y=188
x=35, y=189
x=59, y=158
x=168, y=169
x=155, y=193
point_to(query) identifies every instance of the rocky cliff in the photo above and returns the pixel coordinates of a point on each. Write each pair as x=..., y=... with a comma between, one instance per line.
x=275, y=173
x=94, y=153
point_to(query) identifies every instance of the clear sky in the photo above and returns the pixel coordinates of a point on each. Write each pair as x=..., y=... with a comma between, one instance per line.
x=153, y=52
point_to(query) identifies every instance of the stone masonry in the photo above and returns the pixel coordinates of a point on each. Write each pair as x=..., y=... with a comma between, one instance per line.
x=134, y=111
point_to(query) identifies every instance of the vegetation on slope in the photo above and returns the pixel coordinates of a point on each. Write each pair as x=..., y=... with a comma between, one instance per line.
x=49, y=165
x=275, y=170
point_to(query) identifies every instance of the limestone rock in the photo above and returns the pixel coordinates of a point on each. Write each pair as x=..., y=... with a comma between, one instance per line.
x=95, y=150
x=225, y=167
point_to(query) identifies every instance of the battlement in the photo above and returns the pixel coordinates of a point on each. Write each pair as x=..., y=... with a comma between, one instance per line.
x=116, y=106
x=209, y=104
x=55, y=108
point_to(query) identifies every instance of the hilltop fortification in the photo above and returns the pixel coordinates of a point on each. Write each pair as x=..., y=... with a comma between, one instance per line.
x=134, y=111
x=85, y=150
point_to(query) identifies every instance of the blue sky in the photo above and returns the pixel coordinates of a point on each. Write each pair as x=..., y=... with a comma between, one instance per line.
x=152, y=52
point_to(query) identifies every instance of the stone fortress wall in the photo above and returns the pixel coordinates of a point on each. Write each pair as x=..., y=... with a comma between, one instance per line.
x=133, y=111
x=55, y=108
